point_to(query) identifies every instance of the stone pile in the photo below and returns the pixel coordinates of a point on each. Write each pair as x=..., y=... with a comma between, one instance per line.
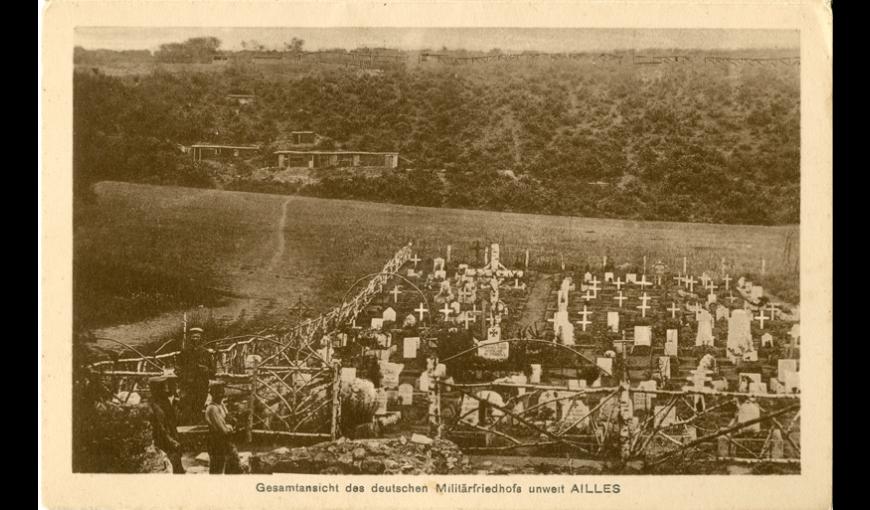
x=401, y=455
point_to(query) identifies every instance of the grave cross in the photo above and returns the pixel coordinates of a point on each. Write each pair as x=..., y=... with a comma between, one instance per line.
x=395, y=292
x=446, y=311
x=731, y=297
x=415, y=259
x=420, y=310
x=727, y=281
x=643, y=283
x=773, y=311
x=468, y=318
x=588, y=296
x=619, y=283
x=644, y=306
x=585, y=322
x=711, y=286
x=490, y=320
x=761, y=318
x=704, y=279
x=594, y=287
x=673, y=309
x=690, y=282
x=620, y=298
x=678, y=279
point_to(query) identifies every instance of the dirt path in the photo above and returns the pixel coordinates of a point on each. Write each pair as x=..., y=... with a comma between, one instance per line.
x=154, y=329
x=536, y=306
x=280, y=243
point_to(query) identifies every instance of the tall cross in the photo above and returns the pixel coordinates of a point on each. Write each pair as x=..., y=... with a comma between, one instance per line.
x=727, y=281
x=644, y=306
x=643, y=283
x=619, y=283
x=446, y=311
x=585, y=322
x=395, y=292
x=415, y=259
x=761, y=318
x=690, y=282
x=619, y=297
x=468, y=318
x=420, y=310
x=673, y=309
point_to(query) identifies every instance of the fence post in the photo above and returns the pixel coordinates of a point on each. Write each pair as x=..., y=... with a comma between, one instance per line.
x=435, y=427
x=249, y=432
x=336, y=400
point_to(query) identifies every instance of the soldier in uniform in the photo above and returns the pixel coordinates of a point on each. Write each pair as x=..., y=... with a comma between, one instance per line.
x=194, y=368
x=164, y=423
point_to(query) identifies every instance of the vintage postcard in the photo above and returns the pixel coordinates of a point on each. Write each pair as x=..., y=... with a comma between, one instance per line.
x=436, y=255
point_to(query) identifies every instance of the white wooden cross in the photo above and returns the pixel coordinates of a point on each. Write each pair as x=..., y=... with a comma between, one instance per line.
x=594, y=287
x=585, y=322
x=588, y=296
x=643, y=283
x=474, y=309
x=704, y=279
x=468, y=318
x=446, y=311
x=761, y=318
x=415, y=259
x=673, y=309
x=678, y=279
x=644, y=306
x=491, y=320
x=731, y=297
x=619, y=297
x=420, y=310
x=711, y=286
x=619, y=283
x=690, y=282
x=727, y=281
x=395, y=292
x=773, y=311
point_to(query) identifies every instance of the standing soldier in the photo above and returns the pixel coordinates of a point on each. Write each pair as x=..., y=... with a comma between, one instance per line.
x=164, y=423
x=194, y=368
x=222, y=454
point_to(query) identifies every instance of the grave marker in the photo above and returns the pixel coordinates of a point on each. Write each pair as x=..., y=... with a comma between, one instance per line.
x=613, y=321
x=406, y=394
x=619, y=297
x=585, y=322
x=409, y=347
x=644, y=306
x=377, y=323
x=389, y=315
x=420, y=310
x=673, y=309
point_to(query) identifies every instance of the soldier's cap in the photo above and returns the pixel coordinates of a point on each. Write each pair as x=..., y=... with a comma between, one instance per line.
x=194, y=330
x=157, y=379
x=216, y=384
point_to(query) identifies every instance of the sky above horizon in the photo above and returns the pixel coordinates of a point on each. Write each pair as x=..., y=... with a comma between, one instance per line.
x=475, y=39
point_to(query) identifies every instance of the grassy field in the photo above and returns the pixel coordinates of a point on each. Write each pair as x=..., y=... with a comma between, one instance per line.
x=141, y=250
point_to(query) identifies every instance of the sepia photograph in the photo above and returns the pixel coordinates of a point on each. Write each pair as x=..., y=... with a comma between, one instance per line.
x=442, y=251
x=460, y=255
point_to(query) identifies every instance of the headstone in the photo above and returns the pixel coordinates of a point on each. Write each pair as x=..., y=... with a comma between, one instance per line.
x=468, y=410
x=348, y=374
x=409, y=347
x=383, y=398
x=757, y=388
x=643, y=401
x=406, y=394
x=547, y=400
x=792, y=382
x=746, y=379
x=437, y=264
x=711, y=298
x=739, y=333
x=722, y=312
x=494, y=398
x=424, y=381
x=642, y=335
x=777, y=445
x=672, y=348
x=767, y=340
x=605, y=364
x=587, y=277
x=608, y=277
x=567, y=333
x=455, y=307
x=748, y=411
x=664, y=367
x=536, y=374
x=389, y=315
x=494, y=257
x=776, y=386
x=410, y=321
x=665, y=419
x=377, y=323
x=613, y=321
x=390, y=374
x=493, y=348
x=559, y=318
x=705, y=329
x=631, y=278
x=440, y=274
x=784, y=366
x=575, y=415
